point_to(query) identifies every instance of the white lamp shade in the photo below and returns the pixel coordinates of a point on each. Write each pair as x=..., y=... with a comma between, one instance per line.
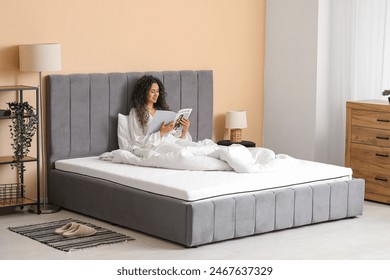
x=40, y=57
x=236, y=119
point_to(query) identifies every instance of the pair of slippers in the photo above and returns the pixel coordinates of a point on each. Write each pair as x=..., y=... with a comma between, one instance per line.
x=75, y=229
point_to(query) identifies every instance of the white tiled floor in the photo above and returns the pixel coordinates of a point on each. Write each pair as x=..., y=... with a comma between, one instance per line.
x=365, y=237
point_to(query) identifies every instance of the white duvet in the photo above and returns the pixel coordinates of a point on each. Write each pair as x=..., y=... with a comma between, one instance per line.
x=201, y=156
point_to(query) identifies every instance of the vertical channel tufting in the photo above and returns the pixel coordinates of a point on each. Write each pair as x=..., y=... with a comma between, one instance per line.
x=128, y=94
x=254, y=213
x=100, y=99
x=338, y=200
x=132, y=78
x=189, y=99
x=245, y=218
x=303, y=205
x=198, y=113
x=181, y=91
x=202, y=227
x=90, y=116
x=79, y=90
x=205, y=104
x=265, y=211
x=224, y=219
x=197, y=102
x=69, y=119
x=355, y=197
x=321, y=202
x=172, y=86
x=58, y=108
x=284, y=210
x=110, y=143
x=118, y=104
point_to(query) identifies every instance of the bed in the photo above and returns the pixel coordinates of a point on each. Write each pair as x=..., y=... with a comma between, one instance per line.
x=82, y=120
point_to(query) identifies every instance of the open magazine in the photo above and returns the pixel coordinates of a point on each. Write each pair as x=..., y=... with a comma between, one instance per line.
x=165, y=117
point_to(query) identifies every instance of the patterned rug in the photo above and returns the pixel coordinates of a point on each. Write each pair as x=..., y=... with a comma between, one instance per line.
x=44, y=233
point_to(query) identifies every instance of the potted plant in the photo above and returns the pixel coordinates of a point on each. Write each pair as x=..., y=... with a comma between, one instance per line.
x=386, y=92
x=23, y=127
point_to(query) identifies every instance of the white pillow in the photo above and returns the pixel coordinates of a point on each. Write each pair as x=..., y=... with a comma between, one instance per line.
x=123, y=131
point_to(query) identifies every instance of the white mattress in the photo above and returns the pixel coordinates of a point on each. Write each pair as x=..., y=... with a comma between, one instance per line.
x=196, y=185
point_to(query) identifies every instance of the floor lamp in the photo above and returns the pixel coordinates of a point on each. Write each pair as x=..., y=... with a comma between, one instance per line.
x=38, y=58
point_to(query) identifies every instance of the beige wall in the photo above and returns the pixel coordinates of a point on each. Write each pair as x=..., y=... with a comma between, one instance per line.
x=226, y=36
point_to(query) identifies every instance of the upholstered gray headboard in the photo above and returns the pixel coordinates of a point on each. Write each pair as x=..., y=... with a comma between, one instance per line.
x=82, y=109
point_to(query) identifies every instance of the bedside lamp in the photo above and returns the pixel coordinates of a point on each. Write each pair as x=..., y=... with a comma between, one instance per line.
x=235, y=121
x=38, y=58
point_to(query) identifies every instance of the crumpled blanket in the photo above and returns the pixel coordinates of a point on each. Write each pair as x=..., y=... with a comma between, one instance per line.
x=203, y=155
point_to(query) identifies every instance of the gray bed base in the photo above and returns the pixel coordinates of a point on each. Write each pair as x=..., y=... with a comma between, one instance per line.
x=82, y=118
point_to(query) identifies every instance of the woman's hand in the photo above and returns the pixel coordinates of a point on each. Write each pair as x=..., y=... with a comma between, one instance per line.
x=166, y=128
x=186, y=125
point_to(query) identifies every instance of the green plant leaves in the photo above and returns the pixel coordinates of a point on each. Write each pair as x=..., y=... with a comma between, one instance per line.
x=24, y=125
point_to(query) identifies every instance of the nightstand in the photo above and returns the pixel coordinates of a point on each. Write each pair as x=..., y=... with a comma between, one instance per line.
x=248, y=144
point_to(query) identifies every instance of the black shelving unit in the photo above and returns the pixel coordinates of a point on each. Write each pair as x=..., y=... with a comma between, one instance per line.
x=13, y=194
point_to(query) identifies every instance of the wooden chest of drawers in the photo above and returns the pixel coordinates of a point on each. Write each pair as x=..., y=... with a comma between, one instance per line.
x=367, y=149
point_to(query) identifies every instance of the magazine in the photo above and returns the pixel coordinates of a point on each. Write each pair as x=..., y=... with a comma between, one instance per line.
x=165, y=117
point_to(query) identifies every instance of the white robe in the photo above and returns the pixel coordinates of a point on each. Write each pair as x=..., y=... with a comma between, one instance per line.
x=139, y=138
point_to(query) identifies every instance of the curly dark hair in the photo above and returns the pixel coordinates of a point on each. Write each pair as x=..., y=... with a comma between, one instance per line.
x=139, y=98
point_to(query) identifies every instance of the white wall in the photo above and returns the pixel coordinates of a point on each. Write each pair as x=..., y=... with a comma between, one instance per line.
x=291, y=77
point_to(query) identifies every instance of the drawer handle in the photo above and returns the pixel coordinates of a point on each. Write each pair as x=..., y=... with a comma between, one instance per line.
x=382, y=138
x=382, y=120
x=381, y=155
x=379, y=178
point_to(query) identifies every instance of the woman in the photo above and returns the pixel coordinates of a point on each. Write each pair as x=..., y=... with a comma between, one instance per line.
x=149, y=95
x=167, y=148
